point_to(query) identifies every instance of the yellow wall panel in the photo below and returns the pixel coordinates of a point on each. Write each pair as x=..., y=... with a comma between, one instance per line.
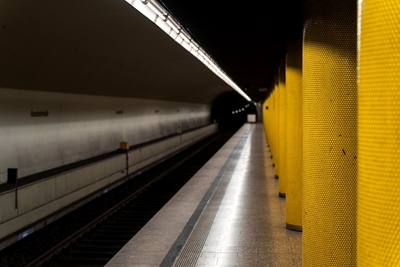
x=379, y=134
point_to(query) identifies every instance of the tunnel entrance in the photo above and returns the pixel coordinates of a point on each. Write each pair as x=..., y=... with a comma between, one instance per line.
x=230, y=110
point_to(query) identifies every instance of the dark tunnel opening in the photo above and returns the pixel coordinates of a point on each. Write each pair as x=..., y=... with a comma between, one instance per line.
x=230, y=110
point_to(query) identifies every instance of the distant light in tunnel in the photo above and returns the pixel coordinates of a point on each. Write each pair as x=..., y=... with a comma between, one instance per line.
x=152, y=10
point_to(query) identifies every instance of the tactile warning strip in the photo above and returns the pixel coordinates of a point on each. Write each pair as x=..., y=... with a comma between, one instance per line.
x=192, y=249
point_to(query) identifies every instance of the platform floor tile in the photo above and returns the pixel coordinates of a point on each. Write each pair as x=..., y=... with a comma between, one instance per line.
x=242, y=223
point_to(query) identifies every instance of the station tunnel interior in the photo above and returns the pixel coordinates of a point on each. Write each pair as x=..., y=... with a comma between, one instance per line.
x=76, y=78
x=230, y=111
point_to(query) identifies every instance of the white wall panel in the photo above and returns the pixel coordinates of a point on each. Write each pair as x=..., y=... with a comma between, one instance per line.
x=36, y=195
x=47, y=196
x=80, y=126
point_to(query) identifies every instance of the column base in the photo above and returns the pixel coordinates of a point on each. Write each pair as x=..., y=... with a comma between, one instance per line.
x=293, y=227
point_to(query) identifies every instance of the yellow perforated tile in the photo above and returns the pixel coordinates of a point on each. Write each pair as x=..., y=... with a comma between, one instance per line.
x=277, y=122
x=271, y=122
x=379, y=134
x=282, y=129
x=265, y=117
x=294, y=135
x=329, y=133
x=275, y=127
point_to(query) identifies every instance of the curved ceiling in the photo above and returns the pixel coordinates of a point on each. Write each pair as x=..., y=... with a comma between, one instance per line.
x=97, y=47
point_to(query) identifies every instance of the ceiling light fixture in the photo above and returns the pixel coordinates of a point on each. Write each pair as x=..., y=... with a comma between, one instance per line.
x=158, y=12
x=173, y=26
x=178, y=34
x=202, y=53
x=195, y=46
x=183, y=35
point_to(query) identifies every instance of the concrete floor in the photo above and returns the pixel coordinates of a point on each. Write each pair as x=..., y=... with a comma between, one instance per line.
x=229, y=214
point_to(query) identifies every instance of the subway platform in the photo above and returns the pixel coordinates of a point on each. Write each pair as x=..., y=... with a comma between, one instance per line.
x=228, y=214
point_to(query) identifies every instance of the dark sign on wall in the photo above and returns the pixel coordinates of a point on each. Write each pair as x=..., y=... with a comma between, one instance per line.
x=39, y=113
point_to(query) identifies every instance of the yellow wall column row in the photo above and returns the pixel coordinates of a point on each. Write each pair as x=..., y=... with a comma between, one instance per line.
x=332, y=233
x=285, y=140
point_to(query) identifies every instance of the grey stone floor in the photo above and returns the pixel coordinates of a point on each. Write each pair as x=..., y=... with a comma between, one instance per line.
x=243, y=223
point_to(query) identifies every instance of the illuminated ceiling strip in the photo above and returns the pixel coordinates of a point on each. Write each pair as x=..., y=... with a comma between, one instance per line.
x=184, y=36
x=152, y=10
x=158, y=12
x=176, y=28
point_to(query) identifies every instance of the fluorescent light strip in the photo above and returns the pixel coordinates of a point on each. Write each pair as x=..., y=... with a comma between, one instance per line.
x=194, y=46
x=202, y=53
x=184, y=36
x=174, y=22
x=173, y=27
x=184, y=39
x=158, y=6
x=158, y=12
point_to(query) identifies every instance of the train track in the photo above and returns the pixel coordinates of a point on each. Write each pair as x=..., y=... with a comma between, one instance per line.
x=93, y=234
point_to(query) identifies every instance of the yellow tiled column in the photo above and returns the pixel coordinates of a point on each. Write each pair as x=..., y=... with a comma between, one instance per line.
x=282, y=129
x=266, y=118
x=276, y=127
x=294, y=136
x=271, y=123
x=330, y=133
x=379, y=134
